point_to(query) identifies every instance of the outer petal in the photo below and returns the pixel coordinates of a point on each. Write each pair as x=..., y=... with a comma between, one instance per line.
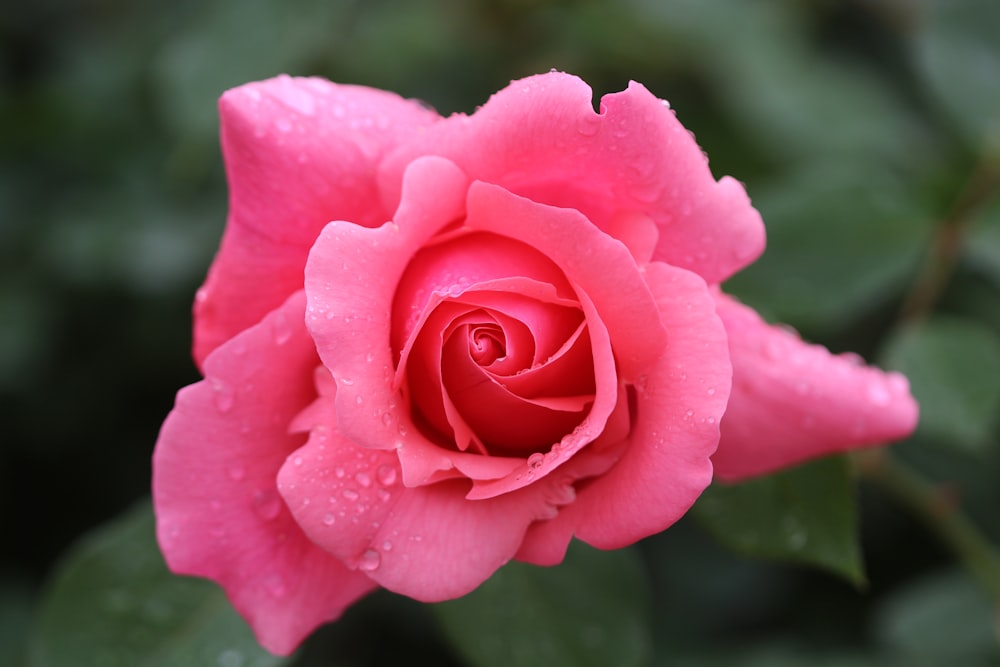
x=351, y=279
x=540, y=138
x=793, y=401
x=298, y=153
x=428, y=542
x=665, y=462
x=215, y=467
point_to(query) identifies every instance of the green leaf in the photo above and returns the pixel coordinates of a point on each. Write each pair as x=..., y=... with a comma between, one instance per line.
x=954, y=371
x=805, y=515
x=958, y=54
x=839, y=246
x=113, y=603
x=944, y=619
x=15, y=620
x=591, y=610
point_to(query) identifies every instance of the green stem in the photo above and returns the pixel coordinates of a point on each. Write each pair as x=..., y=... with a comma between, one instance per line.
x=946, y=245
x=939, y=510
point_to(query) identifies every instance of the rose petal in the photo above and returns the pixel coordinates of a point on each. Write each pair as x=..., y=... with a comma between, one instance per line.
x=218, y=511
x=428, y=542
x=351, y=280
x=665, y=462
x=596, y=264
x=540, y=138
x=298, y=153
x=793, y=401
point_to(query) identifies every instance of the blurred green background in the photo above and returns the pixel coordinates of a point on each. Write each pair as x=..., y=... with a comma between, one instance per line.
x=867, y=133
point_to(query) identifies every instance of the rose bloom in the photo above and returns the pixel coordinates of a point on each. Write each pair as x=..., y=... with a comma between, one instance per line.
x=431, y=345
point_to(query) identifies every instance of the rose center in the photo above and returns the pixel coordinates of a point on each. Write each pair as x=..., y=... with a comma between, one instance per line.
x=487, y=344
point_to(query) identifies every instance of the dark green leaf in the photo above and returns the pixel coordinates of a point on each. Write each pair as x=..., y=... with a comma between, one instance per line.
x=942, y=620
x=113, y=603
x=959, y=55
x=591, y=610
x=954, y=371
x=806, y=515
x=839, y=245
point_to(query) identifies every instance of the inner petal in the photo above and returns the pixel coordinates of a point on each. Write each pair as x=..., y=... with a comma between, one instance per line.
x=486, y=343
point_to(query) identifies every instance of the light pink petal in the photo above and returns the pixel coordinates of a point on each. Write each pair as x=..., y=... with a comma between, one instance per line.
x=215, y=470
x=665, y=463
x=541, y=138
x=298, y=153
x=351, y=280
x=428, y=542
x=793, y=401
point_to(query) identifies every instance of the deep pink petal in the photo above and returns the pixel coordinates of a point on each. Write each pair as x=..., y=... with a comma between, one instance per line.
x=215, y=470
x=540, y=138
x=298, y=153
x=793, y=401
x=597, y=265
x=428, y=542
x=665, y=464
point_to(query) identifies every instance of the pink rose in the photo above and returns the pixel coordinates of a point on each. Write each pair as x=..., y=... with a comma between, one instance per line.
x=510, y=334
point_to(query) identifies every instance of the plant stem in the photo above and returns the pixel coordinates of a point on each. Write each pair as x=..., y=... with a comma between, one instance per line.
x=946, y=245
x=939, y=509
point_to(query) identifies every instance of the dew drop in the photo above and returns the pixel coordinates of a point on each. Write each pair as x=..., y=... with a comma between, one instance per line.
x=879, y=395
x=339, y=472
x=384, y=495
x=535, y=461
x=230, y=658
x=364, y=479
x=224, y=396
x=266, y=504
x=386, y=475
x=275, y=585
x=358, y=400
x=297, y=460
x=237, y=473
x=387, y=418
x=329, y=519
x=280, y=329
x=710, y=391
x=350, y=494
x=387, y=546
x=369, y=561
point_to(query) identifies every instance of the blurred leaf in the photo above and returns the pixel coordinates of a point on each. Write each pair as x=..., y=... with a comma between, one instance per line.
x=113, y=603
x=839, y=244
x=958, y=54
x=794, y=101
x=941, y=620
x=982, y=245
x=591, y=610
x=805, y=515
x=15, y=620
x=954, y=371
x=785, y=654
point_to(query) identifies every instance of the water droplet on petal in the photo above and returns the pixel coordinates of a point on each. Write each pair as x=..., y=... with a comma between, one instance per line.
x=369, y=560
x=329, y=519
x=879, y=395
x=535, y=461
x=386, y=475
x=237, y=472
x=350, y=494
x=266, y=504
x=224, y=396
x=281, y=330
x=339, y=472
x=364, y=479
